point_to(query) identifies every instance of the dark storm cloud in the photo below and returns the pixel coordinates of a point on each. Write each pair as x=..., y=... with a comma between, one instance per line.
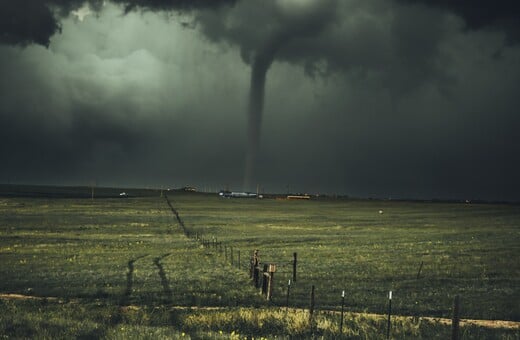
x=46, y=130
x=364, y=97
x=166, y=5
x=398, y=54
x=108, y=100
x=397, y=42
x=371, y=41
x=36, y=21
x=382, y=40
x=502, y=14
x=26, y=22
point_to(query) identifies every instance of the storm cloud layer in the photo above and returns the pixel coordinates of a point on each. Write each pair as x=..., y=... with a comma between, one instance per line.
x=36, y=21
x=368, y=98
x=501, y=15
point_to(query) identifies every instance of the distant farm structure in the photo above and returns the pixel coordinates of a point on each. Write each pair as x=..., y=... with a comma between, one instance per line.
x=298, y=197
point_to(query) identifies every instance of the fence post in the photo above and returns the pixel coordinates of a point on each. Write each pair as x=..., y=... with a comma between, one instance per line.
x=231, y=249
x=272, y=270
x=238, y=264
x=389, y=314
x=256, y=270
x=342, y=311
x=257, y=277
x=311, y=312
x=288, y=292
x=251, y=267
x=264, y=280
x=455, y=319
x=295, y=255
x=254, y=263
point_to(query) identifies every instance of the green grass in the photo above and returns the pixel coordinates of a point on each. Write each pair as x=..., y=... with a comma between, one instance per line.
x=72, y=249
x=88, y=320
x=98, y=256
x=466, y=250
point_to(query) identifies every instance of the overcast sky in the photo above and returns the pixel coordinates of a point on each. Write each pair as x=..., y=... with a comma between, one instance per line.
x=370, y=98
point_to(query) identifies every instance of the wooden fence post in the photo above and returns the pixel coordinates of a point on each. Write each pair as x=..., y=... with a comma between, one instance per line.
x=264, y=280
x=256, y=270
x=272, y=270
x=455, y=319
x=257, y=277
x=295, y=255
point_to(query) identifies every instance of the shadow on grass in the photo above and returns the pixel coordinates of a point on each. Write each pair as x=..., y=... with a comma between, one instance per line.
x=164, y=280
x=129, y=281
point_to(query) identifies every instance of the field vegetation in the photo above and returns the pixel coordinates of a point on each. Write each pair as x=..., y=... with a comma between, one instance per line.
x=124, y=268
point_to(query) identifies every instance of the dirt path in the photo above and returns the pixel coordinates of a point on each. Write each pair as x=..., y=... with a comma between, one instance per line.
x=463, y=322
x=504, y=324
x=480, y=323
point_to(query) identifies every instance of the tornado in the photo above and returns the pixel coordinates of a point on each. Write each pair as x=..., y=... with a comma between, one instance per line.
x=260, y=65
x=300, y=20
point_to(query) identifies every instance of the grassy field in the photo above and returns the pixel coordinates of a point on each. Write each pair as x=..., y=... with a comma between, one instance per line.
x=466, y=250
x=121, y=268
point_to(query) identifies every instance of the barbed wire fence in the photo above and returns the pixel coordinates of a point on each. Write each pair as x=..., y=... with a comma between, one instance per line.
x=279, y=279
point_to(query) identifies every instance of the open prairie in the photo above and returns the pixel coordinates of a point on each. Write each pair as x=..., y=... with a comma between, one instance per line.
x=125, y=267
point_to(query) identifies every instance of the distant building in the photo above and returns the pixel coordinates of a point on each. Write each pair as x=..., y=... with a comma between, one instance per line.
x=189, y=189
x=298, y=197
